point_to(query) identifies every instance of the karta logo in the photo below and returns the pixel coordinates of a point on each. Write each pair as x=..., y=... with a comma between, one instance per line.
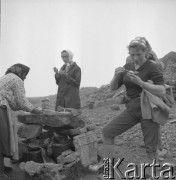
x=133, y=171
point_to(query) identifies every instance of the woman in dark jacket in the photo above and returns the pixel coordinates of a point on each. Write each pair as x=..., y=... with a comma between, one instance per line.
x=12, y=98
x=68, y=80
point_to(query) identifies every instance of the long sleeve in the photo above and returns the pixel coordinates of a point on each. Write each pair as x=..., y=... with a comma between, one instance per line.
x=76, y=80
x=58, y=75
x=156, y=75
x=116, y=82
x=19, y=96
x=57, y=78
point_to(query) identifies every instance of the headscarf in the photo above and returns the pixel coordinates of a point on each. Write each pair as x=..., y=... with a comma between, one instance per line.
x=13, y=69
x=151, y=55
x=70, y=54
x=142, y=41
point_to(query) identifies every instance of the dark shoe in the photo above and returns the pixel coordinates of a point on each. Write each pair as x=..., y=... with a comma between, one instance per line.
x=8, y=169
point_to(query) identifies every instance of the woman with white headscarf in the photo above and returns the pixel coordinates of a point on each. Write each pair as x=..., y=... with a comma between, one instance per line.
x=68, y=80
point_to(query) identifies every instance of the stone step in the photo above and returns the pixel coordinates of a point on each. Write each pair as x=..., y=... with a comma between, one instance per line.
x=52, y=120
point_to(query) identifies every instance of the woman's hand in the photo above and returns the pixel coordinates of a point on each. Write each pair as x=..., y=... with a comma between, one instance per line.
x=135, y=79
x=119, y=70
x=63, y=73
x=36, y=110
x=55, y=70
x=115, y=82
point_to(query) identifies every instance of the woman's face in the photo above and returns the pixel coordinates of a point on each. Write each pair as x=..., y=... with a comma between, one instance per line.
x=137, y=55
x=65, y=57
x=20, y=73
x=23, y=77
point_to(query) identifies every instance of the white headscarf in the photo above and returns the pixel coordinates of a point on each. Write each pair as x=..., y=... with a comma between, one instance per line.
x=70, y=54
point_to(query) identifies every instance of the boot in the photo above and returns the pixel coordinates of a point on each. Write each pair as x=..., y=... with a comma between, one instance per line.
x=7, y=165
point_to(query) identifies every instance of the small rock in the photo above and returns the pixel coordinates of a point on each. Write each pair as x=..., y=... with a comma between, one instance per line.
x=115, y=107
x=59, y=108
x=161, y=159
x=91, y=127
x=119, y=142
x=162, y=153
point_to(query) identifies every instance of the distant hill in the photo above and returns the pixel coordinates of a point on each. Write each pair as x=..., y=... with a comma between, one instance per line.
x=169, y=61
x=84, y=94
x=168, y=58
x=36, y=101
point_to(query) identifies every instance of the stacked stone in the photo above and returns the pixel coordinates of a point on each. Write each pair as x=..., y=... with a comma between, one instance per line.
x=61, y=124
x=47, y=126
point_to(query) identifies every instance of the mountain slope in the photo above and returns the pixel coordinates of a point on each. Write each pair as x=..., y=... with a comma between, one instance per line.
x=169, y=61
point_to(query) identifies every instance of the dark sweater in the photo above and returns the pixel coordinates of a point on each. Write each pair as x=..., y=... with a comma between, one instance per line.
x=148, y=71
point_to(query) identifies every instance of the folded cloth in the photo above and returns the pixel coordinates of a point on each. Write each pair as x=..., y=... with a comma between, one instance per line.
x=153, y=107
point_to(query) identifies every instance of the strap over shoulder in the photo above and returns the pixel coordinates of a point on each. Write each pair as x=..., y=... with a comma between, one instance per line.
x=168, y=98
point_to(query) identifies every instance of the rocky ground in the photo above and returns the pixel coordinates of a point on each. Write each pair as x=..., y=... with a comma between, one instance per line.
x=127, y=144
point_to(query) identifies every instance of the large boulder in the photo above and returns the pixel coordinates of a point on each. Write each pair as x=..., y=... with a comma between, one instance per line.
x=29, y=131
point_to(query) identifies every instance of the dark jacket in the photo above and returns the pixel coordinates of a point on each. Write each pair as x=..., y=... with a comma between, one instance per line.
x=68, y=87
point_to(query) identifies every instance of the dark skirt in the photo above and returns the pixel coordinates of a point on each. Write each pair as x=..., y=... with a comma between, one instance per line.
x=4, y=132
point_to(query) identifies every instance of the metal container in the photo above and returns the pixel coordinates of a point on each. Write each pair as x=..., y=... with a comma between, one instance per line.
x=45, y=103
x=57, y=149
x=35, y=154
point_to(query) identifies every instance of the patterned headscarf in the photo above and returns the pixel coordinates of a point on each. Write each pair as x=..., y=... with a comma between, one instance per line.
x=142, y=41
x=13, y=69
x=151, y=55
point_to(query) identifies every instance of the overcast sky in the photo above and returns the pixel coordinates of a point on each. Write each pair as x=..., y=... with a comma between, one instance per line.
x=34, y=32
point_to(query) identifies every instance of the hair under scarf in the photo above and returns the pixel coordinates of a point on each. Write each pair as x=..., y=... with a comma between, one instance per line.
x=13, y=69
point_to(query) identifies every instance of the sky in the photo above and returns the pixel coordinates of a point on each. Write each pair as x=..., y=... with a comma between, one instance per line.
x=34, y=32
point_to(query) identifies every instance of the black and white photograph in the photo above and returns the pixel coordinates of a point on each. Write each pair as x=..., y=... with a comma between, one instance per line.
x=87, y=89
